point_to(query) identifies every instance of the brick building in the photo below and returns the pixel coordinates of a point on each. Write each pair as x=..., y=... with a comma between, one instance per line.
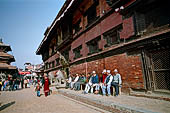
x=130, y=35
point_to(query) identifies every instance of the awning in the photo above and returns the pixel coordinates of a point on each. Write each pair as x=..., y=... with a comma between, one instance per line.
x=24, y=72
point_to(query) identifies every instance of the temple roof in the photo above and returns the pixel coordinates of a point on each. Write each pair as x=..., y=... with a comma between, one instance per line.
x=6, y=56
x=6, y=47
x=2, y=54
x=6, y=66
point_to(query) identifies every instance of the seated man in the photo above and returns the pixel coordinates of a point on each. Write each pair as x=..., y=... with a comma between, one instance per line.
x=75, y=80
x=116, y=81
x=68, y=82
x=107, y=83
x=103, y=77
x=88, y=83
x=95, y=82
x=80, y=81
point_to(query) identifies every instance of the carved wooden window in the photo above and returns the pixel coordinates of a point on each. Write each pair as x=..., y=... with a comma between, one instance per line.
x=45, y=55
x=112, y=36
x=93, y=45
x=77, y=27
x=59, y=35
x=65, y=53
x=152, y=18
x=91, y=13
x=77, y=53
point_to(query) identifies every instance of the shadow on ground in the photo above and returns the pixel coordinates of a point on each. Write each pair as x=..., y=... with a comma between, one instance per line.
x=6, y=105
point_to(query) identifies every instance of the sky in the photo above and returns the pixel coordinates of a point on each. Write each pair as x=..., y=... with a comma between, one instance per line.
x=22, y=26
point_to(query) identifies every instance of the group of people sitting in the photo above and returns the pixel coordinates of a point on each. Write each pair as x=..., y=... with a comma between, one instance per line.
x=92, y=80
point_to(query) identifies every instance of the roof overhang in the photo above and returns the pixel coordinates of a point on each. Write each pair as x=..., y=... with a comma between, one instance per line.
x=67, y=5
x=4, y=66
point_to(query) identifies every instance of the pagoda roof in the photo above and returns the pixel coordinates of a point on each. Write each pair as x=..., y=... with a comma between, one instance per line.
x=2, y=54
x=7, y=66
x=7, y=56
x=7, y=47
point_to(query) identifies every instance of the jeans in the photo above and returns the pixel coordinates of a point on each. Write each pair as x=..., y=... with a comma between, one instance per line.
x=116, y=85
x=77, y=86
x=38, y=93
x=104, y=89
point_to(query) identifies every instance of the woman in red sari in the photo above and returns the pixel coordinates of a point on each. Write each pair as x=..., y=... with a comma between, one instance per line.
x=46, y=85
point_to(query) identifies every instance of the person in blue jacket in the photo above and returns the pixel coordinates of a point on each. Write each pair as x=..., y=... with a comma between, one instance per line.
x=95, y=82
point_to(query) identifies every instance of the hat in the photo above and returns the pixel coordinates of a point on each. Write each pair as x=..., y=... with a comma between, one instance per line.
x=93, y=72
x=115, y=70
x=108, y=71
x=104, y=71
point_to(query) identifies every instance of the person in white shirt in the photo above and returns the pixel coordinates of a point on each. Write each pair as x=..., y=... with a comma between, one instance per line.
x=75, y=80
x=117, y=81
x=68, y=81
x=88, y=84
x=107, y=83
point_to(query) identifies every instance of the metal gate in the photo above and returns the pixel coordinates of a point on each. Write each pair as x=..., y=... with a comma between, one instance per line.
x=161, y=69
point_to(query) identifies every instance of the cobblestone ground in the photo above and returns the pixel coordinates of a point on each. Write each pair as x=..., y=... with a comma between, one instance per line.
x=26, y=101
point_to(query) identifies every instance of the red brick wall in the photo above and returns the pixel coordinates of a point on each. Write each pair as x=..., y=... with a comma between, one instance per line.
x=93, y=33
x=110, y=22
x=130, y=68
x=128, y=28
x=52, y=58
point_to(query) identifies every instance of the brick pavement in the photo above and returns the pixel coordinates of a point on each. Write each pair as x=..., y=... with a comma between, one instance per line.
x=26, y=101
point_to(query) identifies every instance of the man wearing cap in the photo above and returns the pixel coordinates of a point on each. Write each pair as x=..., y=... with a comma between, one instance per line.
x=104, y=75
x=116, y=81
x=95, y=82
x=107, y=83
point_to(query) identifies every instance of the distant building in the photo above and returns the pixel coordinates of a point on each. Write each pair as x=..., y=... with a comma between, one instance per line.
x=29, y=67
x=5, y=61
x=130, y=35
x=32, y=70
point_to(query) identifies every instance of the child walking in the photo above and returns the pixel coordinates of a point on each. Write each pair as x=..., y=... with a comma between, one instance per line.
x=38, y=87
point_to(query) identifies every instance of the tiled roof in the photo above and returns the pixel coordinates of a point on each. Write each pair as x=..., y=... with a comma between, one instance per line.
x=2, y=54
x=6, y=66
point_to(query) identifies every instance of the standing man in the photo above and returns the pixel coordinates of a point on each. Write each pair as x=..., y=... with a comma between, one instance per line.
x=11, y=84
x=107, y=83
x=116, y=81
x=22, y=83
